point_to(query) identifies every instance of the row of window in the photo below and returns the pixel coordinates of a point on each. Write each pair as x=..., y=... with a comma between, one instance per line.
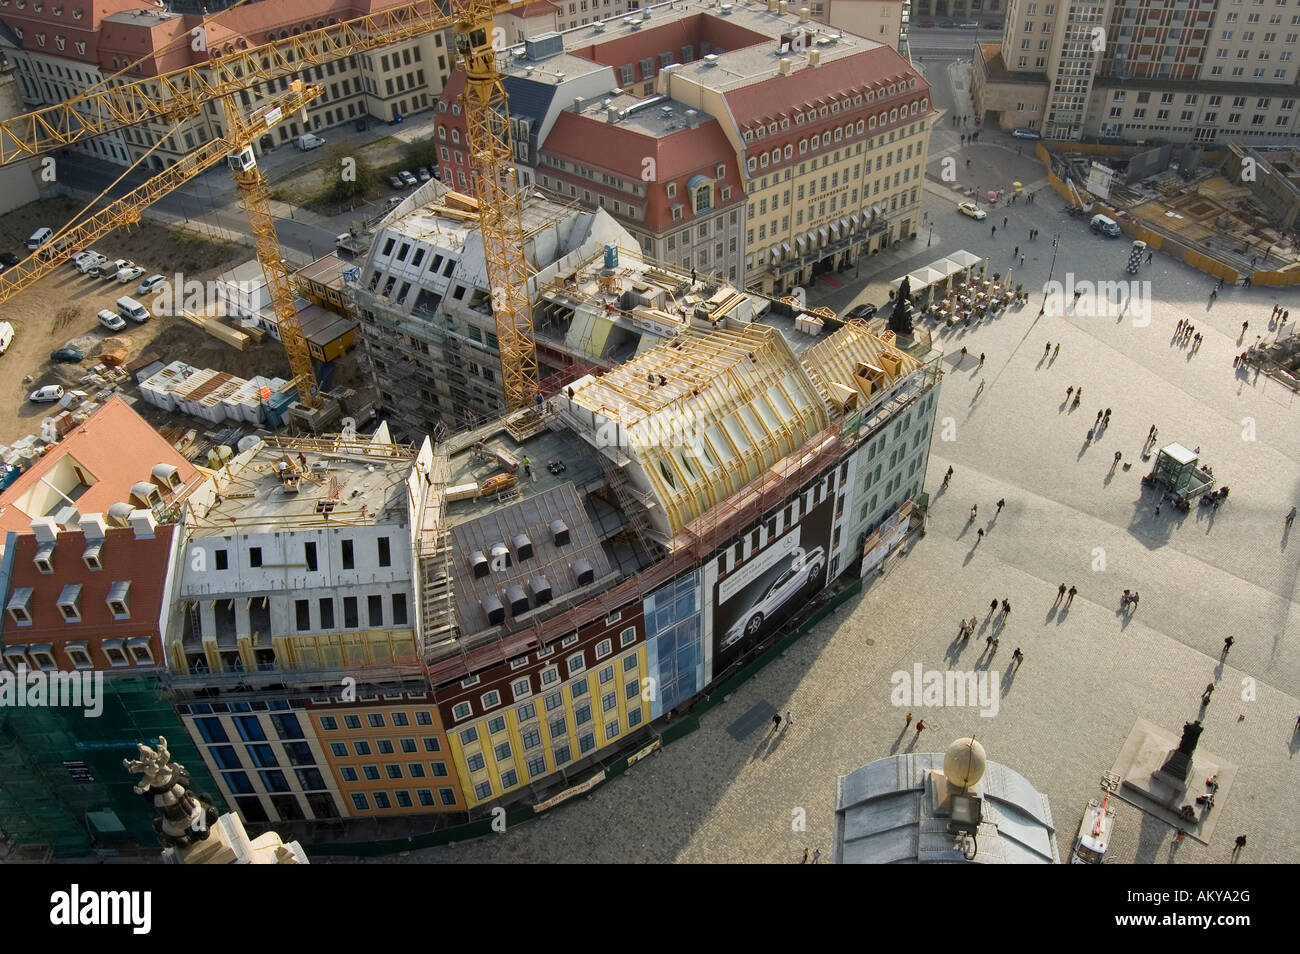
x=362, y=747
x=376, y=720
x=829, y=137
x=401, y=798
x=326, y=619
x=120, y=652
x=393, y=771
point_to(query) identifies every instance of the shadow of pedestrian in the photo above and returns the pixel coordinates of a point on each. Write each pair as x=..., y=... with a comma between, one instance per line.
x=1110, y=475
x=1060, y=617
x=1009, y=678
x=1125, y=614
x=1286, y=536
x=954, y=651
x=1295, y=741
x=1051, y=613
x=1084, y=449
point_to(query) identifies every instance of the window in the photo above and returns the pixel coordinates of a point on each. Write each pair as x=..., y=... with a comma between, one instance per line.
x=604, y=648
x=309, y=554
x=469, y=736
x=254, y=556
x=509, y=778
x=490, y=700
x=502, y=751
x=352, y=721
x=329, y=723
x=527, y=712
x=606, y=675
x=476, y=762
x=385, y=555
x=520, y=688
x=627, y=637
x=575, y=663
x=483, y=790
x=361, y=747
x=399, y=609
x=582, y=714
x=497, y=724
x=431, y=744
x=629, y=663
x=349, y=561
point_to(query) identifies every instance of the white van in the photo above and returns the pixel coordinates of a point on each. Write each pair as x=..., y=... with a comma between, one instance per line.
x=6, y=336
x=1105, y=225
x=132, y=309
x=39, y=238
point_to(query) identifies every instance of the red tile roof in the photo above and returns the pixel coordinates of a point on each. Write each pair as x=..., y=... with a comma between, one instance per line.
x=536, y=8
x=114, y=445
x=622, y=149
x=123, y=557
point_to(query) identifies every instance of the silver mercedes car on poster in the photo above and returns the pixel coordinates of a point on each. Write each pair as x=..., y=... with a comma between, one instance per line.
x=775, y=596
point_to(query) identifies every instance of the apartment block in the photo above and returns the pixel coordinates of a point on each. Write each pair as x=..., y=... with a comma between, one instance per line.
x=1132, y=70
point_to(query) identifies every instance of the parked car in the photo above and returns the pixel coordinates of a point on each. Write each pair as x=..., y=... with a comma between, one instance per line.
x=803, y=569
x=47, y=394
x=129, y=274
x=926, y=24
x=970, y=25
x=973, y=210
x=435, y=172
x=68, y=354
x=8, y=259
x=423, y=174
x=88, y=260
x=110, y=320
x=993, y=26
x=108, y=270
x=39, y=238
x=407, y=178
x=864, y=311
x=149, y=284
x=396, y=182
x=6, y=336
x=1026, y=134
x=948, y=24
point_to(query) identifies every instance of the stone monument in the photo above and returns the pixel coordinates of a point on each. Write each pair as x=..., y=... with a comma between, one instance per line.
x=1179, y=763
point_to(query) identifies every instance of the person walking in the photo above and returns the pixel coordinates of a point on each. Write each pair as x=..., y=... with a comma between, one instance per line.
x=806, y=853
x=1004, y=221
x=1015, y=251
x=993, y=608
x=1006, y=608
x=789, y=719
x=908, y=723
x=1238, y=845
x=1205, y=696
x=1290, y=518
x=1069, y=595
x=1047, y=349
x=979, y=535
x=1069, y=391
x=528, y=468
x=1244, y=326
x=817, y=855
x=1227, y=644
x=1022, y=260
x=995, y=232
x=979, y=390
x=1078, y=396
x=981, y=364
x=963, y=355
x=1057, y=349
x=776, y=722
x=920, y=727
x=974, y=512
x=1017, y=657
x=1118, y=455
x=1100, y=413
x=1150, y=256
x=1060, y=594
x=1002, y=502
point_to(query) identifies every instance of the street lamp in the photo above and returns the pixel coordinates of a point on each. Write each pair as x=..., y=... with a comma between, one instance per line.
x=1056, y=241
x=931, y=238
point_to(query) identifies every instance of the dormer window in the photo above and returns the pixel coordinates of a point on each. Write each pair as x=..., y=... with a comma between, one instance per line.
x=91, y=556
x=116, y=653
x=60, y=42
x=20, y=606
x=44, y=558
x=140, y=650
x=672, y=190
x=77, y=15
x=70, y=603
x=16, y=657
x=42, y=656
x=119, y=599
x=40, y=39
x=79, y=653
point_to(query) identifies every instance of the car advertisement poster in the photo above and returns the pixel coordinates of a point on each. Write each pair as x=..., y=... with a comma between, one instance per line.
x=762, y=590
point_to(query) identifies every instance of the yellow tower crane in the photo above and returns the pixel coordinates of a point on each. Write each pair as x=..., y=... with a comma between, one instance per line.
x=237, y=67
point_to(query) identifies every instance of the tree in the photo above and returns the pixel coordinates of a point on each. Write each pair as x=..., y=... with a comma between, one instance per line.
x=353, y=175
x=900, y=319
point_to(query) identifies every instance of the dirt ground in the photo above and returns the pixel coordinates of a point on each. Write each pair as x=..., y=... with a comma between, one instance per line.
x=309, y=185
x=60, y=310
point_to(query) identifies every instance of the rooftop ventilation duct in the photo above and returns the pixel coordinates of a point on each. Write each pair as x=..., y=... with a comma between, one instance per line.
x=523, y=546
x=559, y=532
x=93, y=526
x=786, y=66
x=711, y=59
x=583, y=571
x=45, y=529
x=517, y=599
x=143, y=523
x=492, y=608
x=541, y=588
x=500, y=555
x=478, y=564
x=119, y=515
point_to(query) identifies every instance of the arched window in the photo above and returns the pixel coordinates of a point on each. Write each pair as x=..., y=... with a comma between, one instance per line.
x=703, y=199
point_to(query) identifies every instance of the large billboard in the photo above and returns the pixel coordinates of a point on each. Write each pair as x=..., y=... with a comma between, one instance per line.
x=758, y=582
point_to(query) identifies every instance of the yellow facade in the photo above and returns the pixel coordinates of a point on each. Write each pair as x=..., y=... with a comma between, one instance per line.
x=521, y=739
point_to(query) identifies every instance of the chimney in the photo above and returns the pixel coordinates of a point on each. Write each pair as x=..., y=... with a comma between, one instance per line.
x=804, y=15
x=783, y=7
x=93, y=526
x=814, y=57
x=771, y=6
x=143, y=523
x=45, y=529
x=68, y=518
x=786, y=66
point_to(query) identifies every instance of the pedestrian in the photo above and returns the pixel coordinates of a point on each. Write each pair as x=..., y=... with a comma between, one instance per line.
x=979, y=536
x=974, y=510
x=1015, y=251
x=920, y=727
x=1022, y=261
x=1273, y=313
x=1099, y=416
x=817, y=855
x=1004, y=221
x=995, y=231
x=1006, y=607
x=1118, y=455
x=776, y=721
x=1244, y=326
x=963, y=356
x=1178, y=328
x=993, y=608
x=908, y=723
x=981, y=364
x=970, y=628
x=806, y=853
x=1017, y=657
x=949, y=473
x=1227, y=644
x=1057, y=349
x=1178, y=838
x=1236, y=361
x=1078, y=397
x=1107, y=417
x=789, y=718
x=1150, y=256
x=1047, y=349
x=1002, y=502
x=1239, y=844
x=1060, y=594
x=528, y=468
x=988, y=642
x=1069, y=598
x=1290, y=518
x=1205, y=696
x=1069, y=391
x=1214, y=293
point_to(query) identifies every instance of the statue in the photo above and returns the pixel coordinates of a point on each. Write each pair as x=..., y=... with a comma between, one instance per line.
x=186, y=818
x=900, y=319
x=1191, y=735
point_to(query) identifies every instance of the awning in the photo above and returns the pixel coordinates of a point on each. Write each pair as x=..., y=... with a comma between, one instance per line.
x=835, y=231
x=825, y=234
x=855, y=219
x=802, y=243
x=964, y=258
x=775, y=253
x=845, y=228
x=947, y=266
x=785, y=247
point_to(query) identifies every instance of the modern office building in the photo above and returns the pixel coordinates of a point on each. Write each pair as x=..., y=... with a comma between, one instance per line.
x=743, y=140
x=1134, y=70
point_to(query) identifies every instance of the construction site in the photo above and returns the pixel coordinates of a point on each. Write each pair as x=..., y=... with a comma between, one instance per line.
x=1232, y=214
